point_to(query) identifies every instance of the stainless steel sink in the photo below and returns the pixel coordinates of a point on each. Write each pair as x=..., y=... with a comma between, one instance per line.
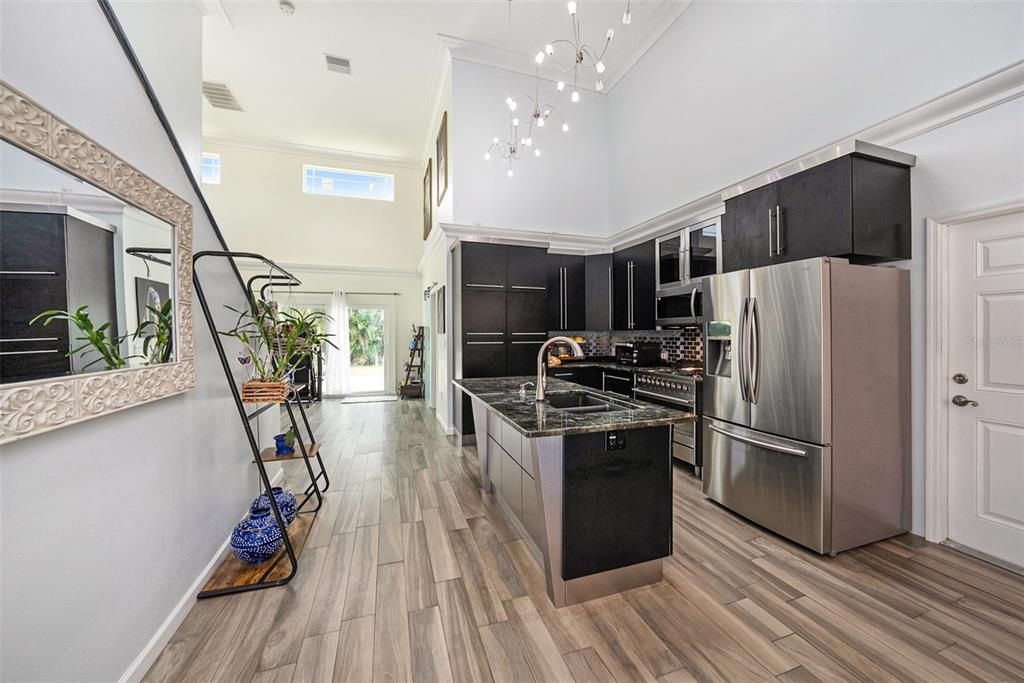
x=583, y=402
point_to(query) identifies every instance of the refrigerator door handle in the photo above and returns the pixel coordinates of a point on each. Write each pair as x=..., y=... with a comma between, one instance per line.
x=741, y=350
x=755, y=354
x=767, y=445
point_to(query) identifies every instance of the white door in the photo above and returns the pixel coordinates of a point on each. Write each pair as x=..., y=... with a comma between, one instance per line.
x=985, y=386
x=371, y=350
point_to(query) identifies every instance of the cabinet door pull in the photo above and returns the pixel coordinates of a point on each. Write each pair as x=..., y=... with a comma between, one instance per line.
x=474, y=284
x=778, y=230
x=488, y=343
x=771, y=249
x=609, y=297
x=528, y=287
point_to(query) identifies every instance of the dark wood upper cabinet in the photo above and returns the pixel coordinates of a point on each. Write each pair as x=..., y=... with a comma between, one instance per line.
x=527, y=268
x=633, y=287
x=854, y=207
x=745, y=228
x=598, y=292
x=484, y=265
x=567, y=292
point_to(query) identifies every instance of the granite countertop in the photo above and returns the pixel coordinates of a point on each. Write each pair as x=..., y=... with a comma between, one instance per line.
x=533, y=420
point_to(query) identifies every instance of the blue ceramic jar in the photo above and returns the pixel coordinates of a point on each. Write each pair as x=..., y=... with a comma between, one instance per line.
x=257, y=537
x=285, y=503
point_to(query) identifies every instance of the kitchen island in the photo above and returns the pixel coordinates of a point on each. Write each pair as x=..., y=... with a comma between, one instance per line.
x=585, y=476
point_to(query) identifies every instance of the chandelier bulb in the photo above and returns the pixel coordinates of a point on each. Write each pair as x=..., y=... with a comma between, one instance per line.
x=560, y=86
x=529, y=142
x=540, y=123
x=539, y=57
x=536, y=152
x=510, y=173
x=600, y=85
x=572, y=7
x=600, y=67
x=487, y=156
x=627, y=18
x=610, y=34
x=495, y=140
x=565, y=127
x=575, y=96
x=550, y=49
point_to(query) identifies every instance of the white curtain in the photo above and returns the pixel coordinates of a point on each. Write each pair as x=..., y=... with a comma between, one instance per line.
x=338, y=365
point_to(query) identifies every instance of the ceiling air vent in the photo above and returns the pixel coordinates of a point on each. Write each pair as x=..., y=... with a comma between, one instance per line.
x=219, y=96
x=340, y=64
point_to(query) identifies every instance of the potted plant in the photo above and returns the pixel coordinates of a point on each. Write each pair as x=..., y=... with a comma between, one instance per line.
x=273, y=344
x=96, y=339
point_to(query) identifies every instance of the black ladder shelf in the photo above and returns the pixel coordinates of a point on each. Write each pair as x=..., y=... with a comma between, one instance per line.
x=412, y=386
x=233, y=575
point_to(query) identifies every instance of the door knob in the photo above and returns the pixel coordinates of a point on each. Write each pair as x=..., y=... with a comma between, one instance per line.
x=962, y=401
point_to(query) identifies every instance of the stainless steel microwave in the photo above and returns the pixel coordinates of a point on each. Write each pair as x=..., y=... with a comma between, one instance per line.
x=679, y=307
x=688, y=255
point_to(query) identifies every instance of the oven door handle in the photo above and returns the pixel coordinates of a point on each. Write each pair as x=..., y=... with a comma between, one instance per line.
x=679, y=401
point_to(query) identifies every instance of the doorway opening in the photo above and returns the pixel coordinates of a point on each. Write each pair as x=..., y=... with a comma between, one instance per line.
x=367, y=344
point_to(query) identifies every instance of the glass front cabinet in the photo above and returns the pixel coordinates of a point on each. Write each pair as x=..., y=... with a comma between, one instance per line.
x=687, y=255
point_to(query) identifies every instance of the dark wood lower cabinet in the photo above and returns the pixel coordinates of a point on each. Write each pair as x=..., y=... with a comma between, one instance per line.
x=617, y=504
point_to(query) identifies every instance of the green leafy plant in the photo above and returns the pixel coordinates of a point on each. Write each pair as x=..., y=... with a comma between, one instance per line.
x=310, y=326
x=276, y=342
x=97, y=339
x=157, y=333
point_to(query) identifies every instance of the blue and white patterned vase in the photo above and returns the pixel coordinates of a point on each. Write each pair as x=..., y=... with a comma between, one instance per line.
x=257, y=537
x=285, y=503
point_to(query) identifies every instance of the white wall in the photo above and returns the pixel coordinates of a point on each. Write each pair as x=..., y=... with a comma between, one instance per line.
x=975, y=162
x=563, y=190
x=735, y=88
x=260, y=206
x=106, y=524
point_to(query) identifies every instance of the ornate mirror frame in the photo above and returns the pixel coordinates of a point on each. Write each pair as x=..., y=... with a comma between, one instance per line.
x=29, y=408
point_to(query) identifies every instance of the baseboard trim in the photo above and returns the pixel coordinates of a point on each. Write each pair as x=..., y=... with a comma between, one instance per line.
x=145, y=659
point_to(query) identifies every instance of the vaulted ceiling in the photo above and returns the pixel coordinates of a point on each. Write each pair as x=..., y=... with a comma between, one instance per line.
x=274, y=62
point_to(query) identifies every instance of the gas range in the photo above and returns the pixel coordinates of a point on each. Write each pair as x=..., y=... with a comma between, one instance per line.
x=672, y=385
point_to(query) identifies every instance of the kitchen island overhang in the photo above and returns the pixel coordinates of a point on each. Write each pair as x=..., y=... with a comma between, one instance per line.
x=588, y=488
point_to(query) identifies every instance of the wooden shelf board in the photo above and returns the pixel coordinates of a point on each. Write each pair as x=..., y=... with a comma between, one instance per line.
x=270, y=454
x=232, y=572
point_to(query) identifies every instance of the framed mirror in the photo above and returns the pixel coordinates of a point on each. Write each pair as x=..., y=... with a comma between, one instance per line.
x=95, y=277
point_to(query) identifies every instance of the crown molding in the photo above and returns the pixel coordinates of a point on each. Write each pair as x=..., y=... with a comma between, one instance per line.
x=215, y=10
x=441, y=66
x=554, y=241
x=664, y=16
x=329, y=269
x=280, y=147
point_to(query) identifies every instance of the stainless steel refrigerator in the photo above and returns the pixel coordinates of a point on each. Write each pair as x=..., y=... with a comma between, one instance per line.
x=807, y=400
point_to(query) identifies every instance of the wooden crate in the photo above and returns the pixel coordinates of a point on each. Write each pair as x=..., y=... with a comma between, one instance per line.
x=255, y=391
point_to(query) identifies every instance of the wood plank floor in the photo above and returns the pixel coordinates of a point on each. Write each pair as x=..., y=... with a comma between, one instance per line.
x=411, y=574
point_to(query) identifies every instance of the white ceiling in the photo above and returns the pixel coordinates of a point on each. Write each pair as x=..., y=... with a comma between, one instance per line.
x=274, y=63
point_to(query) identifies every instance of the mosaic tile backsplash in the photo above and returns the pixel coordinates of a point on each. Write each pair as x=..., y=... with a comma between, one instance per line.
x=682, y=345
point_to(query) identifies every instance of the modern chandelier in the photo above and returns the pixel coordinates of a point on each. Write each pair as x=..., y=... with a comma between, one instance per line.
x=585, y=56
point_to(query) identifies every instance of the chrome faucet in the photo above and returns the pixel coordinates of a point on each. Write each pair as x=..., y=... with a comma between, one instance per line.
x=542, y=374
